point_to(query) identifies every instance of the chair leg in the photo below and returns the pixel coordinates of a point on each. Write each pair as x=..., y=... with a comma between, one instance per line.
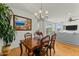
x=47, y=52
x=54, y=50
x=21, y=49
x=50, y=51
x=26, y=51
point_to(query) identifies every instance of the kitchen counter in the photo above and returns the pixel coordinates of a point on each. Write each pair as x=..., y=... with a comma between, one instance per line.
x=71, y=37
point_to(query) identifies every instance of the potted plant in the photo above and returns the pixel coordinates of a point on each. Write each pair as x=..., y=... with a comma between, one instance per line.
x=7, y=32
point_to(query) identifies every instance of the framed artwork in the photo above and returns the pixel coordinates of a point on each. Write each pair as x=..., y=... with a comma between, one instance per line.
x=22, y=23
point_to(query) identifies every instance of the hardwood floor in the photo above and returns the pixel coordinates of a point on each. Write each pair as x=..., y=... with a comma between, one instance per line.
x=62, y=49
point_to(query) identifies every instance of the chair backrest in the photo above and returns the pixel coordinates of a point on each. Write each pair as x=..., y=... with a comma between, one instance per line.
x=27, y=43
x=53, y=37
x=38, y=35
x=45, y=40
x=28, y=39
x=27, y=35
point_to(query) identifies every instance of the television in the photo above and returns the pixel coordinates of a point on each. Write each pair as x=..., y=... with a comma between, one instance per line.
x=71, y=27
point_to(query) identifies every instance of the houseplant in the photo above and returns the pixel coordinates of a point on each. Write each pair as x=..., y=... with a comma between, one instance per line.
x=7, y=32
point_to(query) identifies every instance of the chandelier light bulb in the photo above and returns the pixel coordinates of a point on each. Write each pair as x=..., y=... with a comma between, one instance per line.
x=46, y=12
x=35, y=14
x=40, y=11
x=42, y=17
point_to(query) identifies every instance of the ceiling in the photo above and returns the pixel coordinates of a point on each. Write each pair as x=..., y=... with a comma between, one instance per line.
x=56, y=10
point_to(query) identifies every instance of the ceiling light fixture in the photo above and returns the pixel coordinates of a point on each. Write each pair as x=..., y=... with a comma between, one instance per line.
x=41, y=14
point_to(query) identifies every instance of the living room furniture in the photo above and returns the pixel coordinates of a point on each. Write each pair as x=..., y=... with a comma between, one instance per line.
x=45, y=42
x=49, y=42
x=38, y=35
x=27, y=43
x=53, y=39
x=32, y=45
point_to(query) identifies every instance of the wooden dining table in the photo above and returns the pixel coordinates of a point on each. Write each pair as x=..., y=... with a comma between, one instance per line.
x=29, y=44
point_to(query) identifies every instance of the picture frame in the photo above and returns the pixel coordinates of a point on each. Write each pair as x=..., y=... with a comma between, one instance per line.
x=21, y=23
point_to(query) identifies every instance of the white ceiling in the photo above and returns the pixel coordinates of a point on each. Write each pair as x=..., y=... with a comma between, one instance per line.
x=56, y=10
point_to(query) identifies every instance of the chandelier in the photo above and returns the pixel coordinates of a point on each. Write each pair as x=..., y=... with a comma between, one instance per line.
x=41, y=14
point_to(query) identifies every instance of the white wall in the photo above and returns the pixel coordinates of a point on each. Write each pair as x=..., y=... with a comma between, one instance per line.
x=20, y=34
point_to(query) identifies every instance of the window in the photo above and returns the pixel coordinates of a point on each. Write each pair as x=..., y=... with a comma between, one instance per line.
x=59, y=26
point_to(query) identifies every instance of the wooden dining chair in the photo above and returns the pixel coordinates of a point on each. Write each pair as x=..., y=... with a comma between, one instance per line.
x=44, y=45
x=27, y=43
x=53, y=39
x=27, y=35
x=49, y=44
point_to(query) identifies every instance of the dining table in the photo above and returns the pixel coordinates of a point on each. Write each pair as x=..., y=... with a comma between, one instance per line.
x=29, y=44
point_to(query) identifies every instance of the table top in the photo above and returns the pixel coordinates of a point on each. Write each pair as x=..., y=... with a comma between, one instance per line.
x=30, y=43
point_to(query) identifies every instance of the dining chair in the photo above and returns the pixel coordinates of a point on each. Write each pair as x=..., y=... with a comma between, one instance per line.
x=53, y=39
x=38, y=35
x=45, y=42
x=27, y=43
x=27, y=35
x=49, y=43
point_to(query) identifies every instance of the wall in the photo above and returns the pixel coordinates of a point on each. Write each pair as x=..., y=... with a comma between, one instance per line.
x=20, y=34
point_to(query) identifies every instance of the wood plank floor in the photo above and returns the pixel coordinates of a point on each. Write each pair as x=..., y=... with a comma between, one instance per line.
x=62, y=49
